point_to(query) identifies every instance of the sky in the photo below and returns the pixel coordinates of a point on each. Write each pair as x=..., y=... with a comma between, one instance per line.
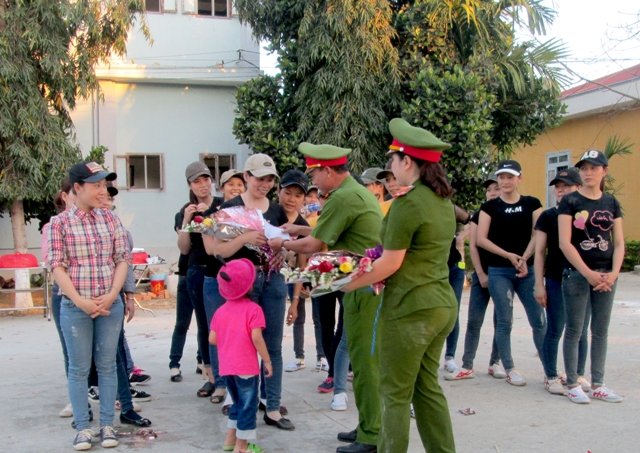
x=586, y=28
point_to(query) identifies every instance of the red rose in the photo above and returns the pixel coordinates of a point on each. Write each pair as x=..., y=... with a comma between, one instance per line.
x=198, y=219
x=325, y=267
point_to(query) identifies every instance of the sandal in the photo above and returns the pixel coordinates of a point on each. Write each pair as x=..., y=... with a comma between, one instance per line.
x=217, y=399
x=176, y=375
x=207, y=390
x=228, y=447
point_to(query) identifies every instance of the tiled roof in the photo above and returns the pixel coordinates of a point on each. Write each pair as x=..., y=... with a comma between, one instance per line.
x=611, y=79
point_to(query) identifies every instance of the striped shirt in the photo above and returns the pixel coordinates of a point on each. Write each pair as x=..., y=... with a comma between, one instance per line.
x=89, y=246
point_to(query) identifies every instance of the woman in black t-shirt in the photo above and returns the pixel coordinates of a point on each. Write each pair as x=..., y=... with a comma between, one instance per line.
x=505, y=229
x=269, y=288
x=592, y=240
x=548, y=291
x=200, y=198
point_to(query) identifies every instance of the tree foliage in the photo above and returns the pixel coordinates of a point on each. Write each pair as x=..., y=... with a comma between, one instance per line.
x=48, y=50
x=456, y=68
x=339, y=80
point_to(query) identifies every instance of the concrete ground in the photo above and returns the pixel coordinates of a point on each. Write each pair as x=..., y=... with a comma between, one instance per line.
x=508, y=419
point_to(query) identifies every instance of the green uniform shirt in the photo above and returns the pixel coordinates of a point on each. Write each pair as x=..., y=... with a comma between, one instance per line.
x=350, y=219
x=423, y=224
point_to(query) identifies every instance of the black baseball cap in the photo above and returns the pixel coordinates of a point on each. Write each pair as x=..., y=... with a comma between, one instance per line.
x=509, y=166
x=112, y=190
x=89, y=172
x=595, y=157
x=295, y=178
x=490, y=180
x=569, y=176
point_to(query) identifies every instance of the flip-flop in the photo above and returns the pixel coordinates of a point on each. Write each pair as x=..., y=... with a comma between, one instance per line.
x=207, y=390
x=228, y=447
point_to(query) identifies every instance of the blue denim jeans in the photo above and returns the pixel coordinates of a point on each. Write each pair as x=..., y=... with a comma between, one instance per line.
x=555, y=327
x=577, y=293
x=56, y=300
x=86, y=337
x=195, y=283
x=184, y=313
x=503, y=285
x=478, y=303
x=242, y=415
x=341, y=365
x=456, y=280
x=212, y=301
x=298, y=326
x=270, y=292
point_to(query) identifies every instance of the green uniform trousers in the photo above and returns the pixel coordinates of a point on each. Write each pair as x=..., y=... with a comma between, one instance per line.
x=410, y=349
x=360, y=308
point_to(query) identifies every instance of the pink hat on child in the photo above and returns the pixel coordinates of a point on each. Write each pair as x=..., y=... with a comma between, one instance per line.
x=236, y=278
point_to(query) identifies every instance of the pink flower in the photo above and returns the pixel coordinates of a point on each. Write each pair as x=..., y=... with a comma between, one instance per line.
x=344, y=259
x=365, y=262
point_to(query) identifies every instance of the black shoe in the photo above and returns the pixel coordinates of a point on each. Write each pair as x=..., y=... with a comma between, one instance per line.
x=350, y=437
x=73, y=423
x=131, y=418
x=226, y=409
x=283, y=410
x=357, y=447
x=139, y=396
x=283, y=423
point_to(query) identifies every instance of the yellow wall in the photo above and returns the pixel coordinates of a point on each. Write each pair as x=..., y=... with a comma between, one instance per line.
x=579, y=135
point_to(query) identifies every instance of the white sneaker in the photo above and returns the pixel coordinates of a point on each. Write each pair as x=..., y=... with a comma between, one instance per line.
x=350, y=376
x=461, y=373
x=318, y=366
x=604, y=394
x=497, y=371
x=339, y=402
x=515, y=378
x=295, y=365
x=584, y=384
x=413, y=412
x=136, y=406
x=324, y=365
x=451, y=366
x=577, y=395
x=554, y=386
x=67, y=411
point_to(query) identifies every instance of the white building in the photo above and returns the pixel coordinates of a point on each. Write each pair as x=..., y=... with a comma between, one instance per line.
x=166, y=104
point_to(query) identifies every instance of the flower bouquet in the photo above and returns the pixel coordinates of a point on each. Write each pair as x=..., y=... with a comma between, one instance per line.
x=229, y=223
x=374, y=254
x=329, y=271
x=199, y=224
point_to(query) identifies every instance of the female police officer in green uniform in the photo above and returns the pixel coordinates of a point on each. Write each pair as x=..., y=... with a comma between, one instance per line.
x=418, y=306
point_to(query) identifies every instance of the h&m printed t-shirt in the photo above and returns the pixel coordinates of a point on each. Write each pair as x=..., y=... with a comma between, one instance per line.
x=511, y=227
x=591, y=227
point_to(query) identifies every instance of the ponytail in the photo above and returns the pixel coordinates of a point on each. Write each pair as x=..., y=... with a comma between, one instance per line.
x=433, y=176
x=192, y=198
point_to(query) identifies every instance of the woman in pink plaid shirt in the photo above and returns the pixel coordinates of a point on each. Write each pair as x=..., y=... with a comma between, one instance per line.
x=89, y=257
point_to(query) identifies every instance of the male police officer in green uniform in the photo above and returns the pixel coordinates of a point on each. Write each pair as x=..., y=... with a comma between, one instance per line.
x=350, y=220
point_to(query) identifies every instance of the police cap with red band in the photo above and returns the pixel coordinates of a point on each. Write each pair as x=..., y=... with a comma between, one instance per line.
x=323, y=155
x=415, y=141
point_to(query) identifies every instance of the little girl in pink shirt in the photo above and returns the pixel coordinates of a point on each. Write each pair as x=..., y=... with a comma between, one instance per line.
x=236, y=329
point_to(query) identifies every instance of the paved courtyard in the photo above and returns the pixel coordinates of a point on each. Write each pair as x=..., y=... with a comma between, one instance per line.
x=508, y=419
